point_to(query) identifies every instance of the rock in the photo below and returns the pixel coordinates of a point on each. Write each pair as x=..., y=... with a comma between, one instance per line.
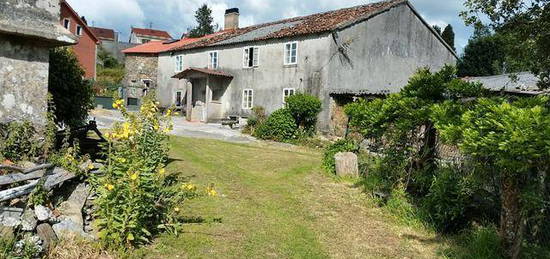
x=346, y=164
x=28, y=221
x=10, y=216
x=68, y=229
x=46, y=233
x=42, y=213
x=27, y=244
x=27, y=164
x=6, y=232
x=71, y=209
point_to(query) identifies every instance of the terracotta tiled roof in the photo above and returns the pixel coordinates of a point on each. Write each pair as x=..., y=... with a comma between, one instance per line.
x=185, y=73
x=103, y=33
x=311, y=24
x=151, y=32
x=80, y=21
x=161, y=46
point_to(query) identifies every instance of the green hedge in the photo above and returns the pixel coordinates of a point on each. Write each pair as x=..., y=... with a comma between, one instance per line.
x=279, y=126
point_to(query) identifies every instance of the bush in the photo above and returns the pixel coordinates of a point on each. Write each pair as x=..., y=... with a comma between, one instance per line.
x=19, y=141
x=343, y=145
x=448, y=200
x=279, y=126
x=257, y=119
x=72, y=95
x=482, y=242
x=135, y=197
x=304, y=108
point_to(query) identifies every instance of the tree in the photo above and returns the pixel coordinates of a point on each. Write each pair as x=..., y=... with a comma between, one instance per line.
x=203, y=15
x=449, y=36
x=72, y=95
x=527, y=22
x=437, y=29
x=483, y=56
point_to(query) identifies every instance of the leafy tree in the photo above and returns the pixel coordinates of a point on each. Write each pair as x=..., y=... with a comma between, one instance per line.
x=304, y=108
x=509, y=141
x=527, y=22
x=72, y=95
x=437, y=29
x=449, y=36
x=107, y=59
x=203, y=15
x=483, y=56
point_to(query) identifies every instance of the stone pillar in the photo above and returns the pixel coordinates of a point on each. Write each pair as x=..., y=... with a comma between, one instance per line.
x=207, y=99
x=346, y=164
x=189, y=106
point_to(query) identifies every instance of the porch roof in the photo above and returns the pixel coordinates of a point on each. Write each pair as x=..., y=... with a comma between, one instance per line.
x=202, y=71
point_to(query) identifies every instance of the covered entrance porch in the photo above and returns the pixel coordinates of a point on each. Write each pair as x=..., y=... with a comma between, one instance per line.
x=204, y=91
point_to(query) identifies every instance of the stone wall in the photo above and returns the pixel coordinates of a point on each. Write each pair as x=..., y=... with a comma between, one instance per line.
x=23, y=80
x=139, y=67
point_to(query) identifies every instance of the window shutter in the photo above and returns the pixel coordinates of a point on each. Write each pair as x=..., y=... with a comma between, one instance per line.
x=245, y=58
x=256, y=57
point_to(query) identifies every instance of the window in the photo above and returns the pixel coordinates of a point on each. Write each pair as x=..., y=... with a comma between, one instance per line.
x=145, y=41
x=132, y=101
x=147, y=82
x=66, y=23
x=291, y=53
x=251, y=57
x=213, y=64
x=179, y=63
x=178, y=99
x=247, y=99
x=78, y=30
x=287, y=92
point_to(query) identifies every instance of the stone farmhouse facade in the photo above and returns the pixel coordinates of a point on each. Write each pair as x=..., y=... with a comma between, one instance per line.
x=364, y=50
x=86, y=48
x=28, y=29
x=139, y=35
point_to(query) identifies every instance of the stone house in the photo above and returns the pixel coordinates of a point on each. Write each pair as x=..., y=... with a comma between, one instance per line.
x=359, y=51
x=86, y=48
x=139, y=35
x=28, y=29
x=109, y=41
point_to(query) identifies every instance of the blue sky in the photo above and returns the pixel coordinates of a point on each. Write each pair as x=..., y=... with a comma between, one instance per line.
x=175, y=16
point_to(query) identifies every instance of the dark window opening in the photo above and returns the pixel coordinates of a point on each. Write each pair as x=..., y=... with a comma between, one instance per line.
x=132, y=101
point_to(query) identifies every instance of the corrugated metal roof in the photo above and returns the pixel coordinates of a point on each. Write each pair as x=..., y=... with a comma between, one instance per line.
x=524, y=82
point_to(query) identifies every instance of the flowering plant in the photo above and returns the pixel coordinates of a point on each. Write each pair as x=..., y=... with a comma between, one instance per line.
x=135, y=198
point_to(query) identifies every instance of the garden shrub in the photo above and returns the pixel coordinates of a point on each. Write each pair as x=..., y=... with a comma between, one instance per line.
x=279, y=126
x=135, y=196
x=20, y=141
x=446, y=205
x=342, y=145
x=258, y=118
x=304, y=108
x=71, y=94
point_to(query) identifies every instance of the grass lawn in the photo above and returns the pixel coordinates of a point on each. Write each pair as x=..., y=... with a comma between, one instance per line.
x=276, y=202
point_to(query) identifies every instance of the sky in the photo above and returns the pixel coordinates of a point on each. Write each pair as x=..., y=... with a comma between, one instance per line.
x=176, y=16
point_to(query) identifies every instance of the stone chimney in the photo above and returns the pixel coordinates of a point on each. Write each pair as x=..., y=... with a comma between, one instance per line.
x=231, y=19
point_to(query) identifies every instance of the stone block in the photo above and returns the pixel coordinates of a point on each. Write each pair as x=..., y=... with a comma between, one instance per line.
x=346, y=164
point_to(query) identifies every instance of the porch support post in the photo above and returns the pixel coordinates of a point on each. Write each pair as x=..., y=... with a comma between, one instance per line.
x=207, y=98
x=189, y=106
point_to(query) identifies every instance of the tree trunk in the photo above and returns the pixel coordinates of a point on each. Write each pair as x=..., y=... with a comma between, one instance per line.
x=511, y=225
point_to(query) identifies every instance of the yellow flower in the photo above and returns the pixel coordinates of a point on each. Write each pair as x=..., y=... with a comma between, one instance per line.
x=162, y=171
x=168, y=112
x=176, y=209
x=188, y=186
x=90, y=166
x=212, y=192
x=134, y=176
x=118, y=104
x=109, y=187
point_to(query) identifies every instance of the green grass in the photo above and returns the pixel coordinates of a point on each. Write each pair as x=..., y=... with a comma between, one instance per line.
x=277, y=202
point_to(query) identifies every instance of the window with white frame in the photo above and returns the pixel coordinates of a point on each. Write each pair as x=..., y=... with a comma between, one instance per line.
x=179, y=63
x=291, y=53
x=66, y=23
x=78, y=30
x=287, y=92
x=251, y=57
x=213, y=62
x=248, y=99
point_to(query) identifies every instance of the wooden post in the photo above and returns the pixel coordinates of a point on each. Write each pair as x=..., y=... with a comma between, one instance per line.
x=189, y=106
